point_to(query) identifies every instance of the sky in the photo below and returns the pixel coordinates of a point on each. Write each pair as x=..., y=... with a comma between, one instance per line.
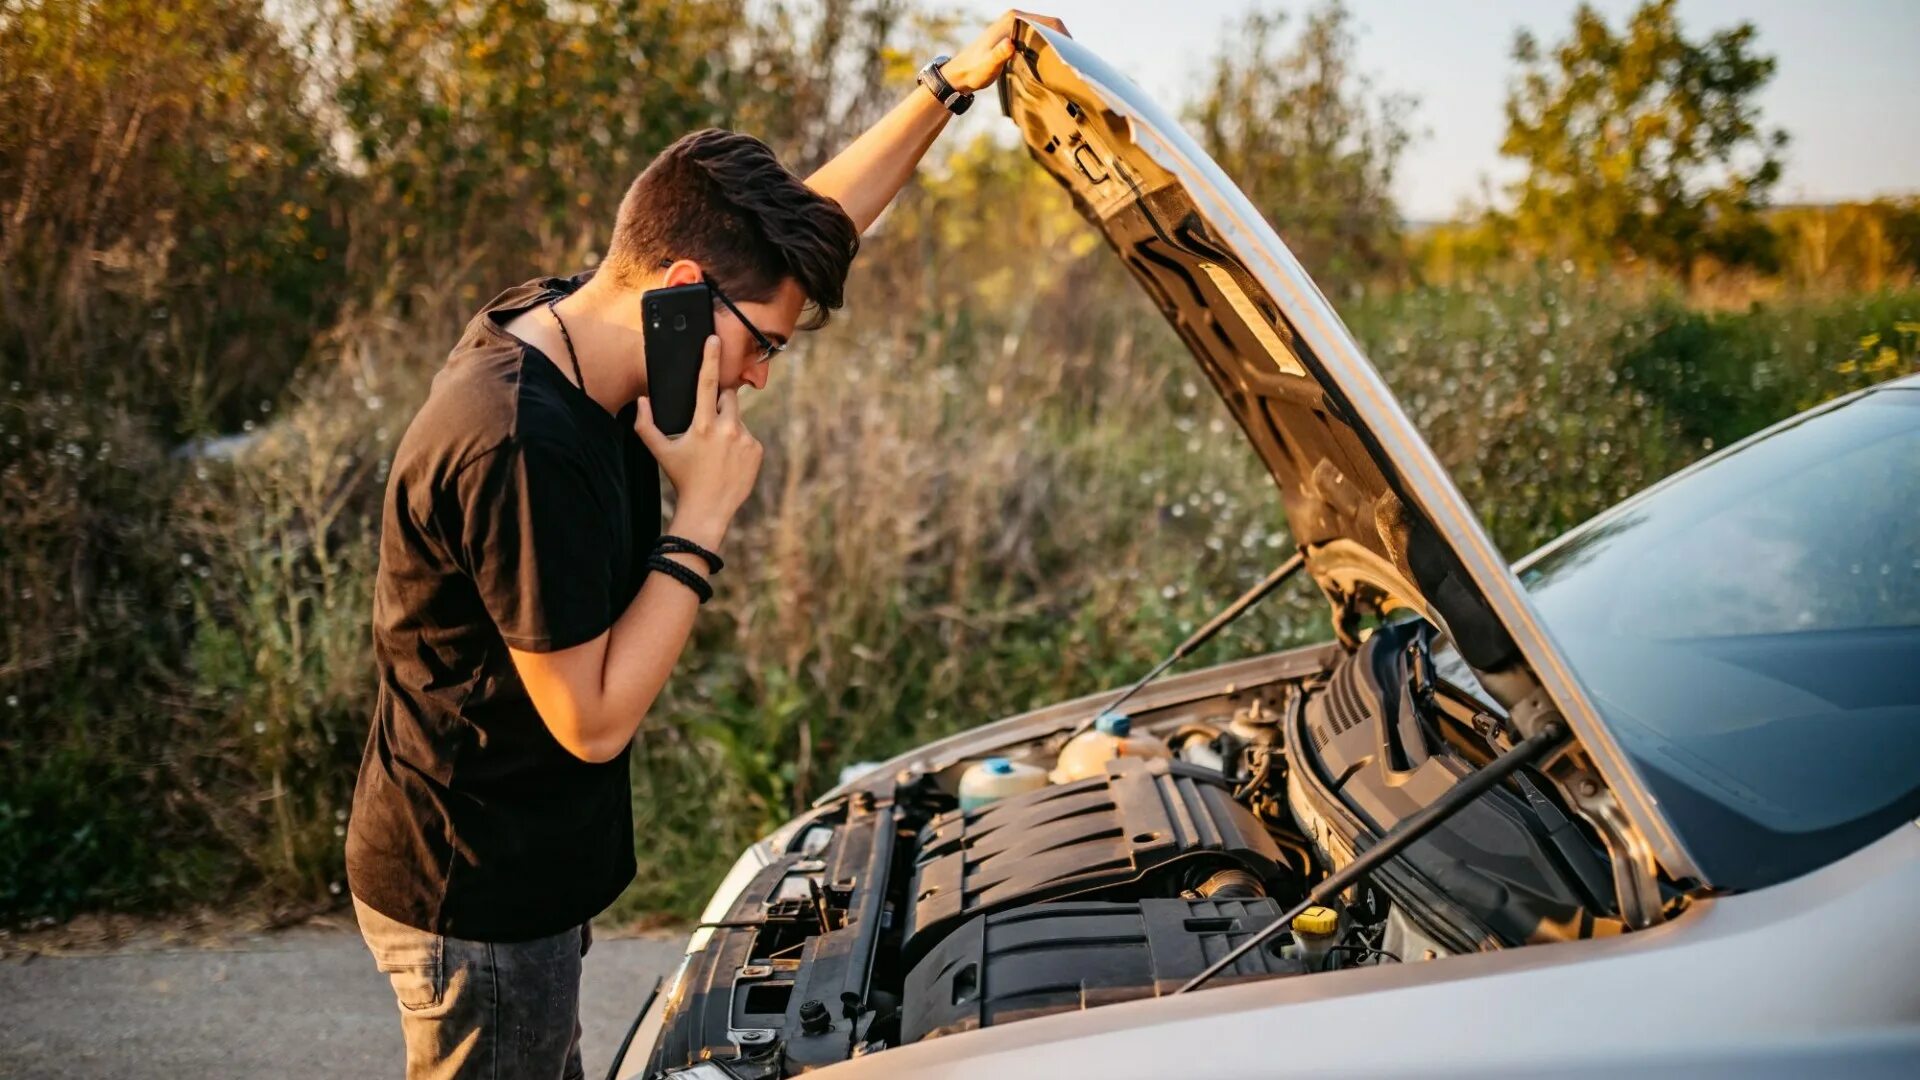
x=1846, y=89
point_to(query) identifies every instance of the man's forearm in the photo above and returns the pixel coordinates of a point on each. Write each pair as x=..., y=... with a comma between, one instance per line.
x=866, y=176
x=595, y=695
x=646, y=642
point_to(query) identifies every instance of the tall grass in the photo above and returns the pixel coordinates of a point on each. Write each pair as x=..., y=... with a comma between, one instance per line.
x=971, y=505
x=998, y=481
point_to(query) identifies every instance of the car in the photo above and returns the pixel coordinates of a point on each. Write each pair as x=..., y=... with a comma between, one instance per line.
x=1646, y=799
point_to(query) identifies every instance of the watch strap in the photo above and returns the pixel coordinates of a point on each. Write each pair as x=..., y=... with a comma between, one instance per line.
x=936, y=83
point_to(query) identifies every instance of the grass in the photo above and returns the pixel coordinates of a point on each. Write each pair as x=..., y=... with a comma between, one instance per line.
x=972, y=504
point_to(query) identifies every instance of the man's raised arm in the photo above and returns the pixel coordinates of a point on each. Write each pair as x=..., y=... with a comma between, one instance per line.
x=866, y=176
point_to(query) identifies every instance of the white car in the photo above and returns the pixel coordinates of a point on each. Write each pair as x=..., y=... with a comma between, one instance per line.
x=1645, y=801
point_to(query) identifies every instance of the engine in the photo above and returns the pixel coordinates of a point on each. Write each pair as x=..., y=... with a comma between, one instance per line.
x=900, y=913
x=1009, y=965
x=1149, y=828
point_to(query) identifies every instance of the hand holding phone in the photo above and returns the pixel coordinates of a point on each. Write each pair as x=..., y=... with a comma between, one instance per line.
x=714, y=464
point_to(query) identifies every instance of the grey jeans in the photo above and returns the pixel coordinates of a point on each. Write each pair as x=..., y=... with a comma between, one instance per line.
x=478, y=1010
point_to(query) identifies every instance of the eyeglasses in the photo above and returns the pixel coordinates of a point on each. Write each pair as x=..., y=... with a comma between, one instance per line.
x=769, y=348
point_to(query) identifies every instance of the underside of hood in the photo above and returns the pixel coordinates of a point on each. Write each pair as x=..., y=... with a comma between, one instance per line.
x=1379, y=521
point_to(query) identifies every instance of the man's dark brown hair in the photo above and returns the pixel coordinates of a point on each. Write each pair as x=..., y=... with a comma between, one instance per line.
x=723, y=200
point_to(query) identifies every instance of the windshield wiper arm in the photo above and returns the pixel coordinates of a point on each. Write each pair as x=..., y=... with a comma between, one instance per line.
x=1205, y=634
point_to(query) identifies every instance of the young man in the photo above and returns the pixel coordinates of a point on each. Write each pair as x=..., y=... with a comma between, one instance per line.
x=528, y=608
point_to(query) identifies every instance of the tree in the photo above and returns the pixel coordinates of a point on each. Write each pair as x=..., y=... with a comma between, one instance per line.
x=168, y=232
x=1643, y=143
x=498, y=135
x=1309, y=141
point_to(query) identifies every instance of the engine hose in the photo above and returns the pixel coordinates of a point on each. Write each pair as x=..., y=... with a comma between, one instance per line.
x=1191, y=731
x=1231, y=884
x=1259, y=776
x=1297, y=849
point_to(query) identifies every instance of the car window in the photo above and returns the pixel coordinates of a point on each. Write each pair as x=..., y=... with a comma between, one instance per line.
x=1750, y=632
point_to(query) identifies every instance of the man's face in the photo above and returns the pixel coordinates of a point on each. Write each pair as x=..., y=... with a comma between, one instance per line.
x=742, y=357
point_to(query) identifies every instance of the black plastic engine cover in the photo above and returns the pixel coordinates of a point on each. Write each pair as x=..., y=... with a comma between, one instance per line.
x=1147, y=828
x=1515, y=865
x=1051, y=958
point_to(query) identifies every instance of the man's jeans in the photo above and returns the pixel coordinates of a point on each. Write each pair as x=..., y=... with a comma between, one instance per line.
x=477, y=1009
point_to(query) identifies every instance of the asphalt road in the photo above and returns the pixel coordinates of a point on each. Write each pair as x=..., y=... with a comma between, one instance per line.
x=296, y=1003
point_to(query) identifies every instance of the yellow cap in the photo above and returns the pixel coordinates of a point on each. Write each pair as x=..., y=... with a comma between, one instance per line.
x=1316, y=920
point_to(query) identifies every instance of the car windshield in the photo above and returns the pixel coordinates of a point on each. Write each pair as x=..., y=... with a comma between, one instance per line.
x=1751, y=633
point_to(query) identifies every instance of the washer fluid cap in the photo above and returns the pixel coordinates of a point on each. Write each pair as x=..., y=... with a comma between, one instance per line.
x=1113, y=724
x=999, y=766
x=1316, y=920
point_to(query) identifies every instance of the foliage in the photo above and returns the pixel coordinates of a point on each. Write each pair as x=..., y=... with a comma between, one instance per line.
x=1643, y=142
x=1312, y=143
x=276, y=675
x=169, y=230
x=1870, y=246
x=90, y=583
x=508, y=130
x=1516, y=387
x=511, y=126
x=1724, y=375
x=998, y=482
x=1829, y=250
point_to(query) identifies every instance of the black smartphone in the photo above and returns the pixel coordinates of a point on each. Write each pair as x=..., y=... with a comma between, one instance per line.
x=678, y=322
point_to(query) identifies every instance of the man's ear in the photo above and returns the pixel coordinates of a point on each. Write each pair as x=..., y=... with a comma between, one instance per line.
x=684, y=272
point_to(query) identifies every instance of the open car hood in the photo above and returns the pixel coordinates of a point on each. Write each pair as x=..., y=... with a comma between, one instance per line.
x=1379, y=521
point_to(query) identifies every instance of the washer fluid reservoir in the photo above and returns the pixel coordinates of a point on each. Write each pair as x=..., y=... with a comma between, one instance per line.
x=1112, y=736
x=996, y=778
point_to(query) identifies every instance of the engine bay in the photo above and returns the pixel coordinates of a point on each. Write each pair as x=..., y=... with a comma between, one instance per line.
x=912, y=907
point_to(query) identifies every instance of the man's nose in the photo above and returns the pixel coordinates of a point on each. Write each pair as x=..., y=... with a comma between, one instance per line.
x=756, y=375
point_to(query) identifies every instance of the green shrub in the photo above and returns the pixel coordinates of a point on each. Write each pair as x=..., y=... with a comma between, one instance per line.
x=1724, y=375
x=997, y=482
x=91, y=580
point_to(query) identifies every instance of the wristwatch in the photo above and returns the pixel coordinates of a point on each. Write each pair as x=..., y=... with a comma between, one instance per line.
x=942, y=90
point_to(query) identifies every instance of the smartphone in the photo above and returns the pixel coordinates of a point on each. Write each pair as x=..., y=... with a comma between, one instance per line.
x=678, y=322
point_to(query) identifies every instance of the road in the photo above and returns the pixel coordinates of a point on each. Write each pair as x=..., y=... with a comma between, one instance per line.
x=294, y=1003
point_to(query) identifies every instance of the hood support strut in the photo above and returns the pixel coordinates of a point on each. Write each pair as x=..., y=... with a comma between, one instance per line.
x=1365, y=496
x=1397, y=839
x=1205, y=634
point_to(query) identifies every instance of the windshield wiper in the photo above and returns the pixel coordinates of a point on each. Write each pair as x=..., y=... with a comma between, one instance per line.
x=1205, y=634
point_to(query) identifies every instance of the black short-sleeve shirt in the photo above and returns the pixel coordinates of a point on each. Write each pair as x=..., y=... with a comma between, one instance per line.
x=518, y=513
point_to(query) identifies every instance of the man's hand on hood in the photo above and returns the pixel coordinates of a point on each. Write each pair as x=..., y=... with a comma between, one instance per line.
x=979, y=65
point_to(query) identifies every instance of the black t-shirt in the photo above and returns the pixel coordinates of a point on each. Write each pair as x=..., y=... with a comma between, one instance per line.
x=518, y=512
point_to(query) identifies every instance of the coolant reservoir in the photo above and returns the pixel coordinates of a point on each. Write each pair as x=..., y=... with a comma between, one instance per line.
x=1112, y=736
x=996, y=778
